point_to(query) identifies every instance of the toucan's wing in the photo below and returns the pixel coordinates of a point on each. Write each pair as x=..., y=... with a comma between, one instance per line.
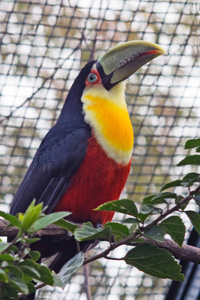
x=59, y=155
x=189, y=289
x=56, y=161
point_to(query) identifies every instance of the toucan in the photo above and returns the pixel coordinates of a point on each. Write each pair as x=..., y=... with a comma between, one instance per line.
x=85, y=158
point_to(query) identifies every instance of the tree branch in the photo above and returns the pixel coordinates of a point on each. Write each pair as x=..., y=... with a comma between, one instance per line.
x=50, y=230
x=186, y=252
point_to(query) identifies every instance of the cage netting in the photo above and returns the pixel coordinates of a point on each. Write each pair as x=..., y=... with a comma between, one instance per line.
x=43, y=46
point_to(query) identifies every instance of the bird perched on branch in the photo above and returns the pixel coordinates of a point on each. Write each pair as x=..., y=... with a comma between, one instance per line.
x=85, y=159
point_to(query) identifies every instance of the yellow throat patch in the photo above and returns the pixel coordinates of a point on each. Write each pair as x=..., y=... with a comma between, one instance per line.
x=106, y=112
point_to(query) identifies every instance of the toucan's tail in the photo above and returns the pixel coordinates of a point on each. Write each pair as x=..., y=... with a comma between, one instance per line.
x=28, y=297
x=65, y=249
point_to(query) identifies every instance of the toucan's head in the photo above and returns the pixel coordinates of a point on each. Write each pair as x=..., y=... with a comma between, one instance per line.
x=113, y=67
x=120, y=62
x=103, y=97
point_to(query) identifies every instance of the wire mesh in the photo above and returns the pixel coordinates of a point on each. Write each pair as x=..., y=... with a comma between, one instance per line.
x=44, y=44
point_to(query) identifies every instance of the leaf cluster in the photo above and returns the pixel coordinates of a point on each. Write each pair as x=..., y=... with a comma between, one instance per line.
x=20, y=267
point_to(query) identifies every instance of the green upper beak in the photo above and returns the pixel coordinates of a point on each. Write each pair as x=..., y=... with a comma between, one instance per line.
x=123, y=60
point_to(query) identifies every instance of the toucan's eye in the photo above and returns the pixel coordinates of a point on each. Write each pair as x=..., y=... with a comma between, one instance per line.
x=92, y=77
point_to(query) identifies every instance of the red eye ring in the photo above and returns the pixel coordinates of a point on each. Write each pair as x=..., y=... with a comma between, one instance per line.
x=93, y=78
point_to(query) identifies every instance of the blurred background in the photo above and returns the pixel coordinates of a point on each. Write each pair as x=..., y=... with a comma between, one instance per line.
x=43, y=45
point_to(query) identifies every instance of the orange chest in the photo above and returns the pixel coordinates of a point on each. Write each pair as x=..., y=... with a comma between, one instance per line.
x=98, y=180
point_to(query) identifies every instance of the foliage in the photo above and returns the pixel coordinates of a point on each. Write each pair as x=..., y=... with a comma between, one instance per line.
x=20, y=266
x=22, y=273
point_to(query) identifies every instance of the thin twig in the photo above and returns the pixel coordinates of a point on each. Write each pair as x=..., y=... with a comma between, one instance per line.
x=86, y=272
x=10, y=244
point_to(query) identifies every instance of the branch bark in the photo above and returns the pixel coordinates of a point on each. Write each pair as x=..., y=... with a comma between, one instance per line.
x=186, y=252
x=50, y=230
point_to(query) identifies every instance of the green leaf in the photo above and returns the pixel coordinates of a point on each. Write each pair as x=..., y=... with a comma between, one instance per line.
x=15, y=270
x=13, y=249
x=193, y=143
x=26, y=251
x=31, y=287
x=8, y=292
x=71, y=267
x=3, y=246
x=58, y=281
x=3, y=276
x=142, y=217
x=159, y=198
x=45, y=274
x=30, y=271
x=156, y=233
x=66, y=225
x=190, y=178
x=31, y=215
x=190, y=160
x=19, y=284
x=88, y=232
x=10, y=218
x=35, y=255
x=175, y=228
x=195, y=219
x=134, y=223
x=154, y=261
x=31, y=240
x=118, y=230
x=49, y=219
x=179, y=199
x=124, y=206
x=6, y=257
x=148, y=209
x=198, y=149
x=163, y=196
x=150, y=200
x=171, y=184
x=130, y=221
x=28, y=262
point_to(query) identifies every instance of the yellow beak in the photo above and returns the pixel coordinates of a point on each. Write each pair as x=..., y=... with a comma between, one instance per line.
x=123, y=60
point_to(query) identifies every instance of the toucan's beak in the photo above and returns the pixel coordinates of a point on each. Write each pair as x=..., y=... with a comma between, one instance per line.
x=120, y=62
